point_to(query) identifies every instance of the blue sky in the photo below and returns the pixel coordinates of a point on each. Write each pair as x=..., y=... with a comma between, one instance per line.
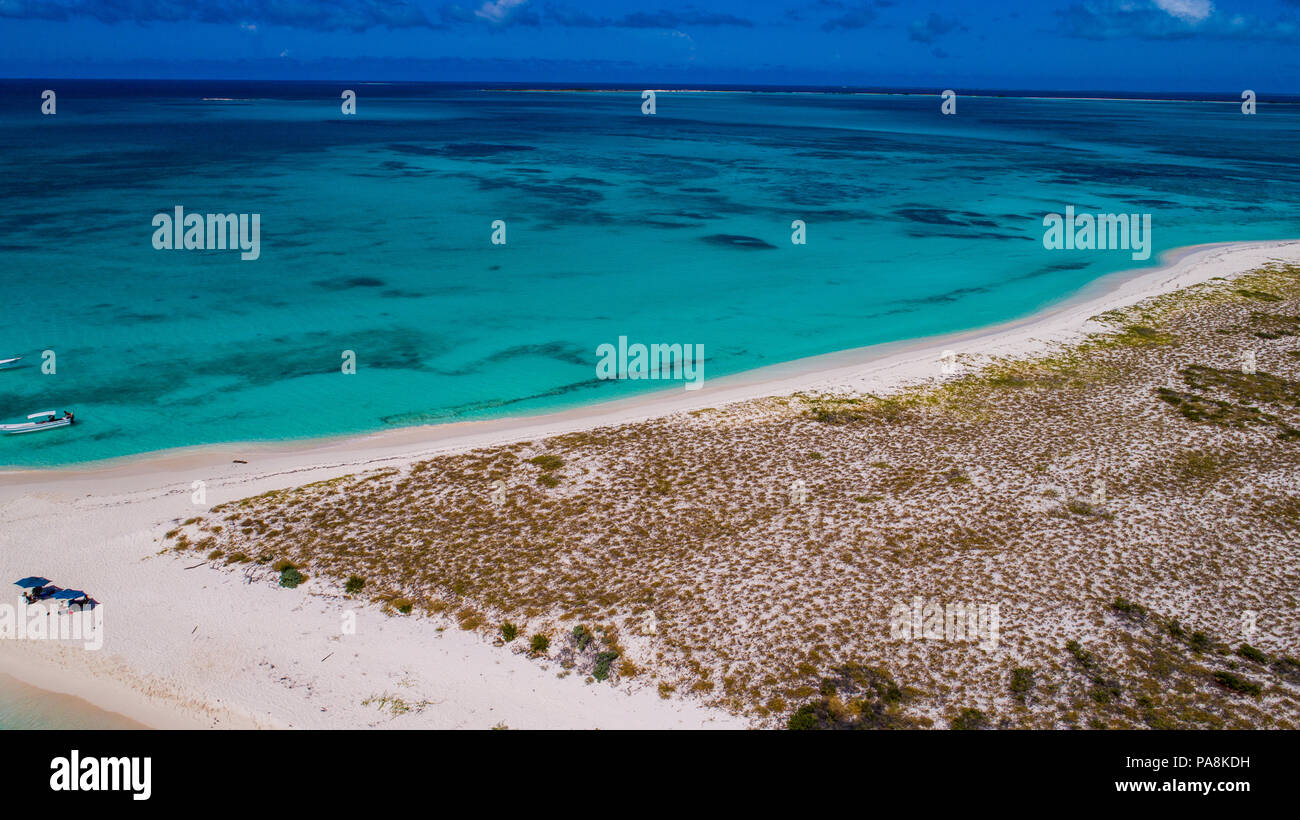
x=1130, y=45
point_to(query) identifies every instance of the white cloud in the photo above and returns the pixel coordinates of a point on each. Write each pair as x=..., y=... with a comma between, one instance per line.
x=1191, y=11
x=496, y=10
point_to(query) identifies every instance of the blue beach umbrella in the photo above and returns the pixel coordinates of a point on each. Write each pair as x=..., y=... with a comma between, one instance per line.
x=32, y=581
x=68, y=594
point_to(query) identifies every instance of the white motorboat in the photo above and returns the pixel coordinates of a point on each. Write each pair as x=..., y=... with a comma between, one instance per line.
x=37, y=422
x=5, y=364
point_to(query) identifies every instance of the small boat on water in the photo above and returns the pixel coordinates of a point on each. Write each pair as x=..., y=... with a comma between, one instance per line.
x=37, y=422
x=6, y=364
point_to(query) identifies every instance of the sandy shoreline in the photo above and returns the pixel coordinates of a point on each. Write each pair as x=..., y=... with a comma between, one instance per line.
x=25, y=706
x=186, y=648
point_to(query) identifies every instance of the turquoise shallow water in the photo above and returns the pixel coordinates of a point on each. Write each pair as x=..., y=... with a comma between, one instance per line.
x=26, y=707
x=673, y=228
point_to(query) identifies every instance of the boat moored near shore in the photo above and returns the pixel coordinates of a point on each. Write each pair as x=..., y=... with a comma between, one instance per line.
x=38, y=422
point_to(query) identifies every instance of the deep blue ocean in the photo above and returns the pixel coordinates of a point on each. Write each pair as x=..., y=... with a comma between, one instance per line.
x=673, y=228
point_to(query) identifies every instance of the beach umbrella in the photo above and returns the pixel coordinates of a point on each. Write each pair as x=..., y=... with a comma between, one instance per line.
x=68, y=593
x=32, y=581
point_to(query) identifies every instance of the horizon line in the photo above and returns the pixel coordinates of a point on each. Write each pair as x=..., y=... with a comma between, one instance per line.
x=521, y=85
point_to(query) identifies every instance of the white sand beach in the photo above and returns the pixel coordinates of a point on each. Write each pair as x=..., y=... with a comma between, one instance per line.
x=188, y=644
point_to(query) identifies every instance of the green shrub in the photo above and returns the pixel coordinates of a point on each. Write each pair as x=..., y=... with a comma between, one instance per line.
x=1103, y=693
x=1022, y=679
x=1287, y=666
x=1262, y=296
x=1080, y=506
x=539, y=644
x=582, y=637
x=354, y=584
x=1083, y=656
x=403, y=605
x=804, y=718
x=1251, y=653
x=603, y=661
x=1237, y=684
x=1127, y=607
x=970, y=719
x=1140, y=336
x=290, y=577
x=509, y=631
x=548, y=462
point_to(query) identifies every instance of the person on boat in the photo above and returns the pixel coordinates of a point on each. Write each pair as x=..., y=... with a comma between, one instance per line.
x=67, y=414
x=51, y=418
